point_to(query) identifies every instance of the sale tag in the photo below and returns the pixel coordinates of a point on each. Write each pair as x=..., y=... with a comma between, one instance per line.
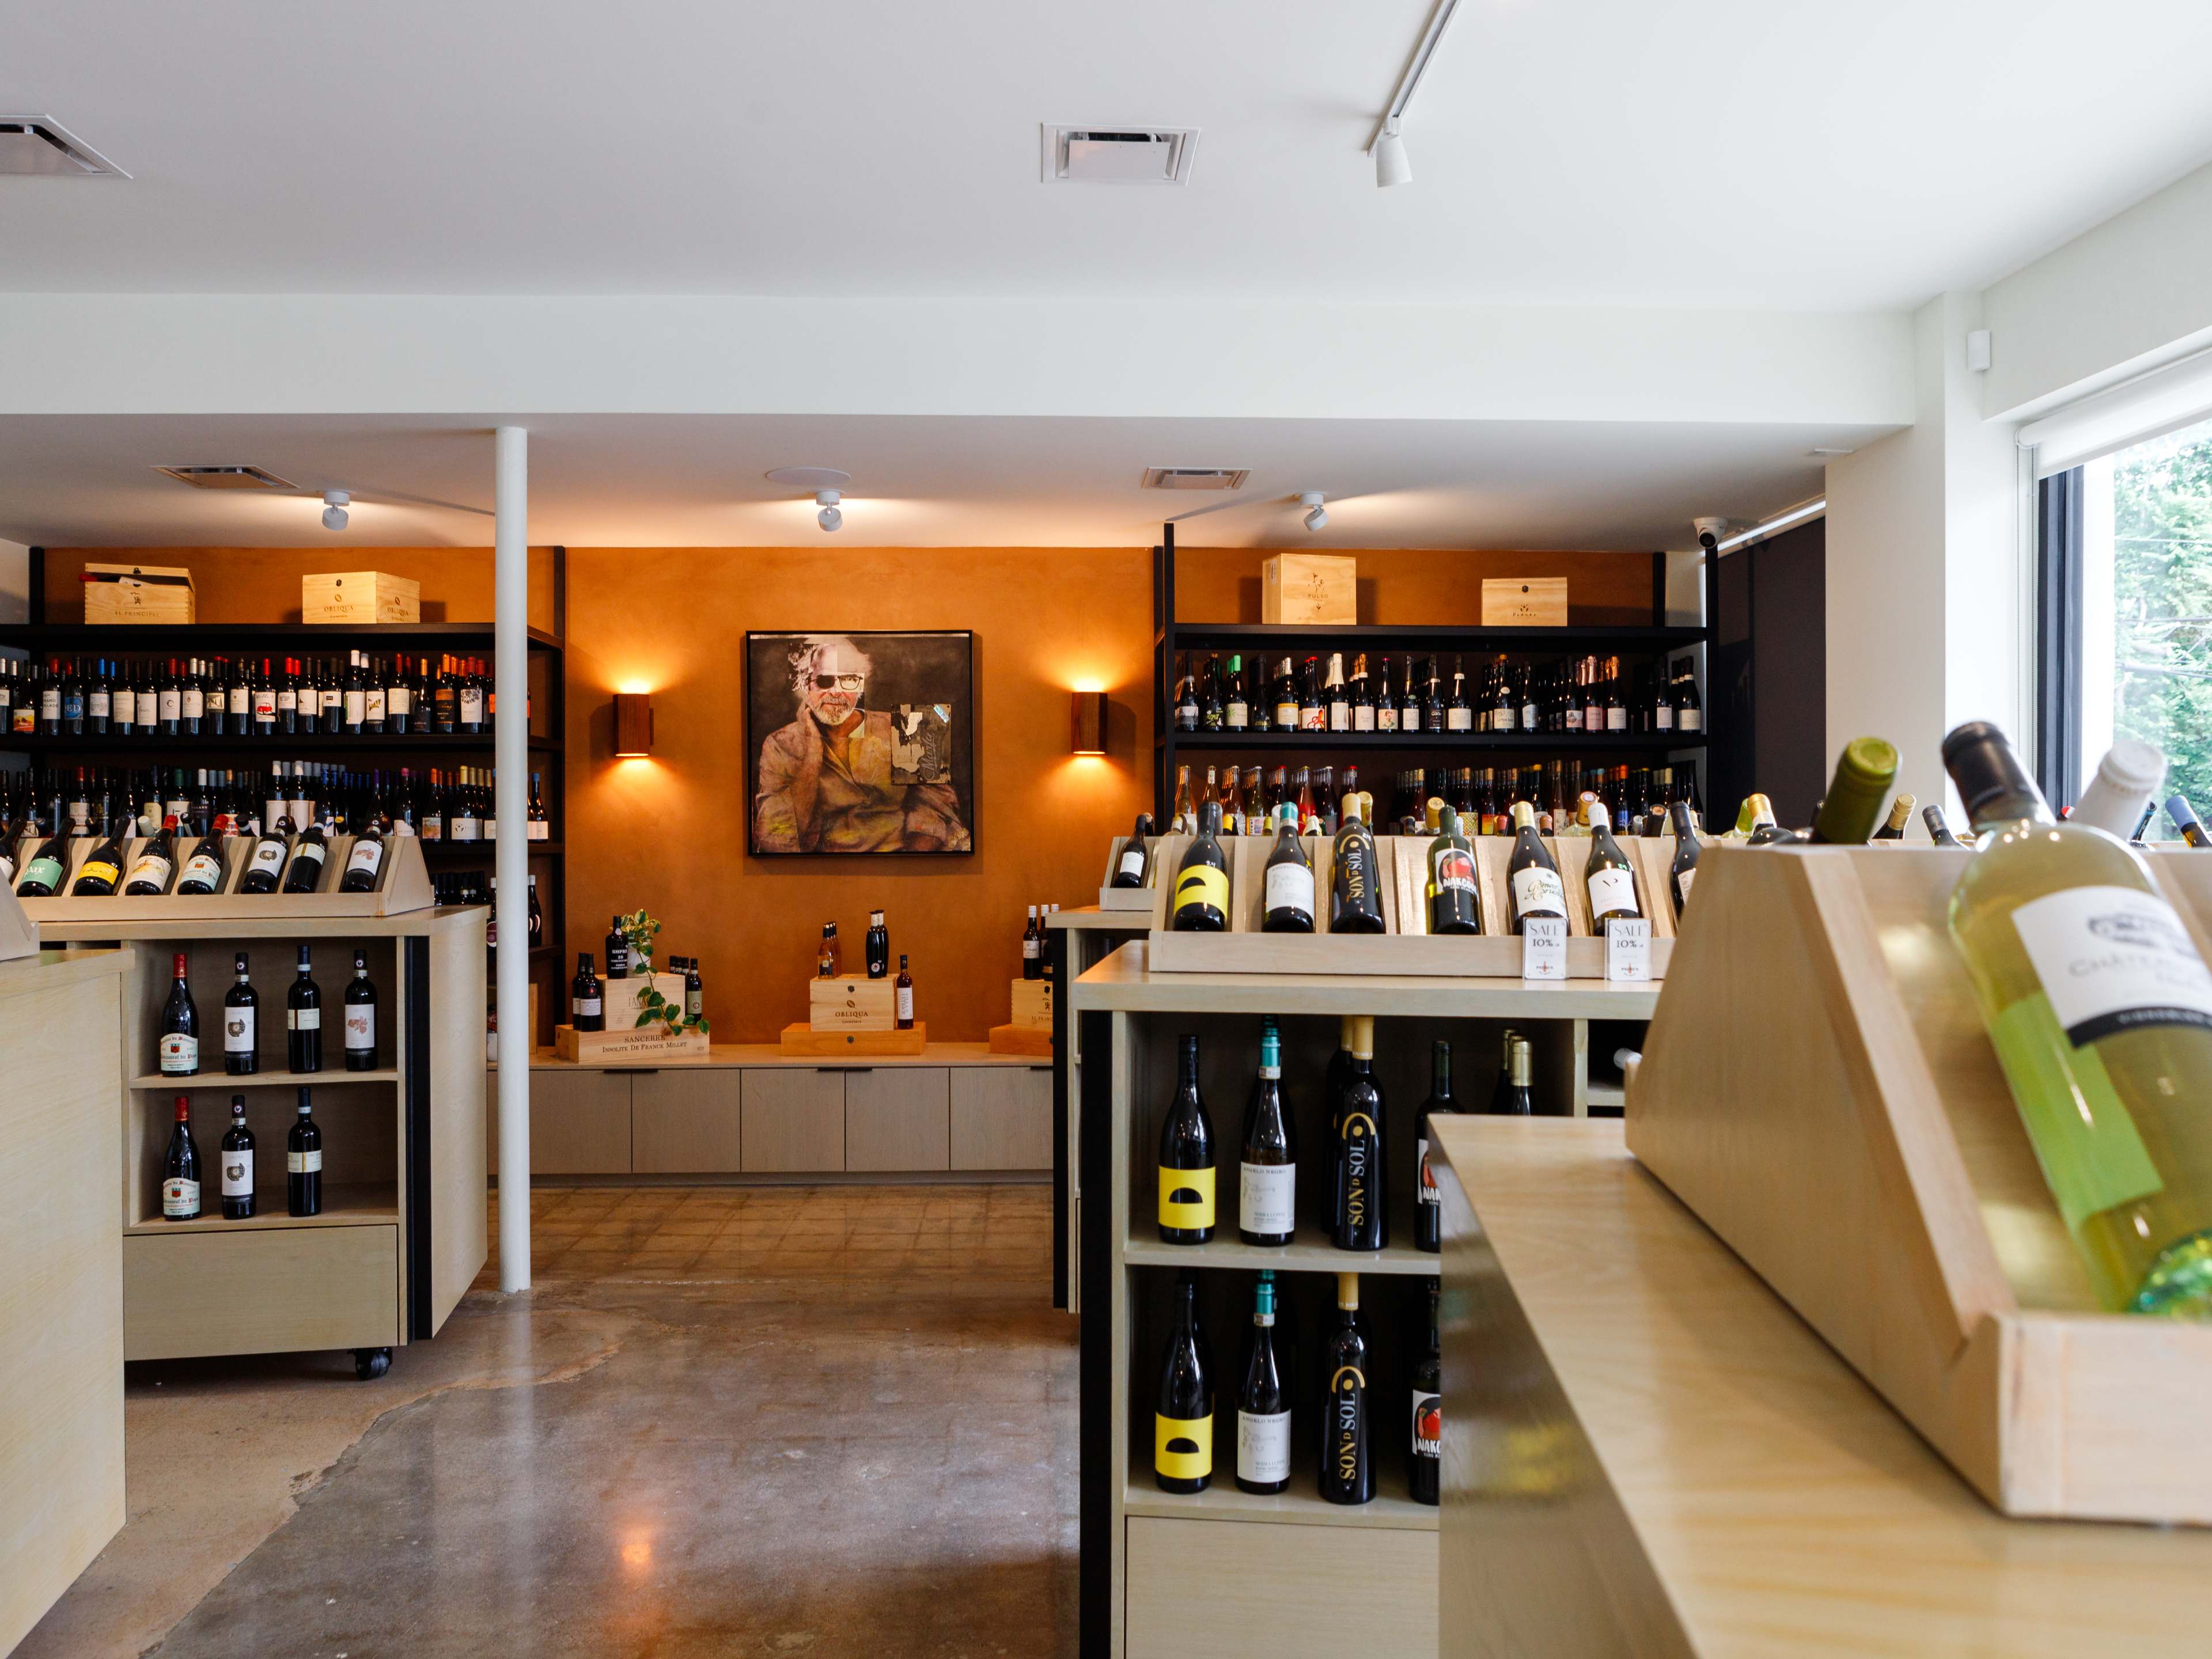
x=1544, y=947
x=1628, y=948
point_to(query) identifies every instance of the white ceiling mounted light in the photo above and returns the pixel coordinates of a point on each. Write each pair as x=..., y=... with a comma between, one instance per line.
x=1196, y=477
x=1316, y=514
x=810, y=477
x=335, y=502
x=831, y=516
x=38, y=147
x=1116, y=156
x=1388, y=148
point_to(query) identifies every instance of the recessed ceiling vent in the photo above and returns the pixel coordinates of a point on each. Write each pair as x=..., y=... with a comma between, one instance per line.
x=38, y=146
x=1118, y=156
x=225, y=477
x=1196, y=477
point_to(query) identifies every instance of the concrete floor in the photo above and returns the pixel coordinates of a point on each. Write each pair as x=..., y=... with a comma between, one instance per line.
x=728, y=1421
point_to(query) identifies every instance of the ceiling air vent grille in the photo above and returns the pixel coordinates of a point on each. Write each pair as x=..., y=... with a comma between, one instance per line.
x=38, y=146
x=225, y=477
x=1118, y=156
x=1196, y=477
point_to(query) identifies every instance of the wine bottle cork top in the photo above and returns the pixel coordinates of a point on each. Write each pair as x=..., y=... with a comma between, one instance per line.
x=1524, y=816
x=1347, y=1289
x=1361, y=1042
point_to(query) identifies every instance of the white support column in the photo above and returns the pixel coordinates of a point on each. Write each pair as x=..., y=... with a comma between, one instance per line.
x=511, y=732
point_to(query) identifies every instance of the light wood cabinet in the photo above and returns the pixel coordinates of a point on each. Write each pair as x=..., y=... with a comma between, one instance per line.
x=277, y=1290
x=580, y=1123
x=1236, y=1587
x=1001, y=1118
x=791, y=1121
x=895, y=1118
x=685, y=1122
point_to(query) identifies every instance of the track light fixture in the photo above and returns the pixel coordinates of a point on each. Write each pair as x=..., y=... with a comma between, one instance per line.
x=1392, y=165
x=1316, y=514
x=334, y=509
x=829, y=518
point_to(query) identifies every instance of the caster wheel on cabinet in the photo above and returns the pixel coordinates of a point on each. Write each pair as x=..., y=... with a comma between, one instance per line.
x=369, y=1363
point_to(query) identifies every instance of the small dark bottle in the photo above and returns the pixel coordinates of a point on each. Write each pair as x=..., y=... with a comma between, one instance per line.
x=303, y=1161
x=237, y=1164
x=180, y=1170
x=1428, y=1231
x=1425, y=1460
x=588, y=1007
x=303, y=1019
x=241, y=1012
x=879, y=946
x=361, y=1017
x=902, y=995
x=618, y=952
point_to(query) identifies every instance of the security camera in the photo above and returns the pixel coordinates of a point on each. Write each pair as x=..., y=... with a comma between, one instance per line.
x=1710, y=531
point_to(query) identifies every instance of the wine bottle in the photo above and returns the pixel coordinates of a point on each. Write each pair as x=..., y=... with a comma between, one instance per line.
x=2182, y=815
x=365, y=861
x=1532, y=875
x=1337, y=697
x=1182, y=1419
x=303, y=1019
x=1360, y=1184
x=303, y=1161
x=1901, y=814
x=2127, y=780
x=587, y=1008
x=1939, y=826
x=180, y=1169
x=2100, y=1012
x=1032, y=947
x=1186, y=1167
x=1347, y=1460
x=1455, y=905
x=203, y=872
x=618, y=949
x=237, y=1164
x=1263, y=1402
x=97, y=876
x=1267, y=1174
x=1425, y=1462
x=1683, y=872
x=901, y=996
x=1288, y=879
x=241, y=1012
x=1201, y=887
x=1236, y=706
x=1428, y=1228
x=1609, y=878
x=1513, y=1097
x=879, y=946
x=359, y=1017
x=265, y=863
x=44, y=873
x=155, y=863
x=1865, y=772
x=305, y=873
x=178, y=1028
x=1129, y=869
x=1355, y=903
x=1186, y=707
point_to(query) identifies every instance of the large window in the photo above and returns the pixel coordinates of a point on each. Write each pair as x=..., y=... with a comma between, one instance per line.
x=2143, y=535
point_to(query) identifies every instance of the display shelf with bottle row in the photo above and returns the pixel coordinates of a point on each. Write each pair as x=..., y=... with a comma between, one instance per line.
x=98, y=750
x=309, y=876
x=367, y=1204
x=1273, y=640
x=1615, y=743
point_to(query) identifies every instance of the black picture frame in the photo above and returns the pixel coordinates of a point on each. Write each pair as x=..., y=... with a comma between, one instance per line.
x=914, y=669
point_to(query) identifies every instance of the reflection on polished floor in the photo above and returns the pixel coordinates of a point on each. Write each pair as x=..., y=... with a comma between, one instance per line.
x=780, y=1420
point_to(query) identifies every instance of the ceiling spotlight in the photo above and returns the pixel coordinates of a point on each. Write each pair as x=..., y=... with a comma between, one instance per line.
x=829, y=518
x=1392, y=165
x=334, y=509
x=1316, y=514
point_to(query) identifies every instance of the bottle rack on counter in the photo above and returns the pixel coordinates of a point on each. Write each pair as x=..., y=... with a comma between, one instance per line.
x=401, y=885
x=1223, y=1570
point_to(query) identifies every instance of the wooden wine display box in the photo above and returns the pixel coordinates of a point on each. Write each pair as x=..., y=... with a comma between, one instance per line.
x=1817, y=1084
x=1406, y=947
x=624, y=1039
x=840, y=1005
x=403, y=884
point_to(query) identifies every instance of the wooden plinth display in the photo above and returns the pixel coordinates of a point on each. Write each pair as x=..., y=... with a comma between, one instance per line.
x=1031, y=1001
x=403, y=884
x=841, y=1006
x=1022, y=1040
x=652, y=1046
x=1406, y=947
x=1818, y=1086
x=806, y=1040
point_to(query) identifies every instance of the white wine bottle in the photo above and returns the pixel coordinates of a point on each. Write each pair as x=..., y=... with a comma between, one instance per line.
x=2127, y=780
x=2100, y=1012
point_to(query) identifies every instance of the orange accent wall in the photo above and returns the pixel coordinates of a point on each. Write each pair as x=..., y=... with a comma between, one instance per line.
x=1407, y=587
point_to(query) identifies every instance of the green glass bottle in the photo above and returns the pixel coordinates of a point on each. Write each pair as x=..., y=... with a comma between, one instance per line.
x=1852, y=809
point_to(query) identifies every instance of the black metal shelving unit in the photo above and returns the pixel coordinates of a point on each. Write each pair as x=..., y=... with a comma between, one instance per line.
x=1171, y=638
x=41, y=639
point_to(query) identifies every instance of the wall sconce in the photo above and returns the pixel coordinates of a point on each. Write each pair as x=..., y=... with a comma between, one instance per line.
x=1087, y=724
x=633, y=725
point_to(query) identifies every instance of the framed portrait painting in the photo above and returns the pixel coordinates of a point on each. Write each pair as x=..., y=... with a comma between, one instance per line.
x=860, y=741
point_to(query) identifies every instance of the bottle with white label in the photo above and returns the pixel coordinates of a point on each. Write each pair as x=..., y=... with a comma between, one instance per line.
x=1425, y=1462
x=303, y=1161
x=1267, y=1173
x=303, y=1019
x=237, y=1164
x=1609, y=878
x=180, y=1169
x=1287, y=881
x=1263, y=1402
x=203, y=870
x=2099, y=1009
x=1129, y=869
x=1533, y=887
x=902, y=995
x=588, y=1007
x=365, y=861
x=179, y=1025
x=241, y=1012
x=360, y=1016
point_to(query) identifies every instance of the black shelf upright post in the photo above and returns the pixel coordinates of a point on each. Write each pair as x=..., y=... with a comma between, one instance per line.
x=1164, y=616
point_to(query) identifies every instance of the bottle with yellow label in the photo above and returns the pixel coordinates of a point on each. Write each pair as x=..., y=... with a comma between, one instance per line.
x=1182, y=1421
x=1201, y=884
x=1187, y=1208
x=98, y=876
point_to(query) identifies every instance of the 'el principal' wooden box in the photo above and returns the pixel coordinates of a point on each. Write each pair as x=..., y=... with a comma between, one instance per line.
x=1524, y=602
x=1317, y=588
x=138, y=593
x=360, y=596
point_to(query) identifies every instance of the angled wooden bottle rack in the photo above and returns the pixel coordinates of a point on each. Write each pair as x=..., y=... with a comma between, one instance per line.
x=1818, y=1086
x=403, y=884
x=1406, y=947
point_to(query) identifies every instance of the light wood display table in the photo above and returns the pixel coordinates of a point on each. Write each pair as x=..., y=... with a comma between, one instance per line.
x=61, y=1293
x=1646, y=1452
x=752, y=1110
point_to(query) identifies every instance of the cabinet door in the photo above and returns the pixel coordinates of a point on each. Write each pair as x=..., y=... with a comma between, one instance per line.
x=579, y=1122
x=895, y=1118
x=1002, y=1117
x=684, y=1122
x=791, y=1121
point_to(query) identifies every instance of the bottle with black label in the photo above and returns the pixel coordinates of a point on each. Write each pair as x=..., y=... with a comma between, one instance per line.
x=237, y=1163
x=179, y=1028
x=1186, y=1166
x=303, y=1019
x=241, y=1012
x=902, y=995
x=1355, y=885
x=587, y=1008
x=361, y=1017
x=879, y=946
x=1428, y=1231
x=1287, y=879
x=1455, y=905
x=1359, y=1183
x=180, y=1169
x=303, y=1161
x=1263, y=1402
x=1182, y=1416
x=1267, y=1172
x=1347, y=1458
x=1425, y=1463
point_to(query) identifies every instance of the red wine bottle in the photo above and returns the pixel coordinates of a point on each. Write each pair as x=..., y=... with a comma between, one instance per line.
x=361, y=1017
x=241, y=1014
x=180, y=1170
x=303, y=1019
x=178, y=1028
x=1428, y=1232
x=237, y=1164
x=1424, y=1464
x=303, y=1161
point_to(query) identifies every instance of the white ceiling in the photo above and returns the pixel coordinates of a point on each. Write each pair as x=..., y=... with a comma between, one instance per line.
x=653, y=481
x=1710, y=152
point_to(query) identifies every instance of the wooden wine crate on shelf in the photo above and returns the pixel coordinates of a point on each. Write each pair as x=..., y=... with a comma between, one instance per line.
x=359, y=596
x=138, y=593
x=1022, y=1040
x=1315, y=589
x=806, y=1040
x=1111, y=897
x=649, y=1046
x=1524, y=602
x=1817, y=1084
x=403, y=884
x=840, y=1005
x=1406, y=947
x=1032, y=1003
